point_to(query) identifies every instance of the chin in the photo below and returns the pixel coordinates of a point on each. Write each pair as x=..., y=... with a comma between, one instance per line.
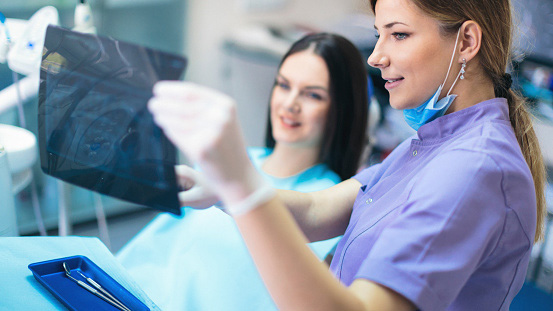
x=398, y=104
x=284, y=139
x=287, y=140
x=402, y=104
x=395, y=105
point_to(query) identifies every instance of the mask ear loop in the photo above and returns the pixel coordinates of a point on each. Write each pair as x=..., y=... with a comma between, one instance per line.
x=451, y=63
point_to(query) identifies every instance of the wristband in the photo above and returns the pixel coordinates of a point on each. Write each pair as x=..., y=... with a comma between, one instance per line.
x=260, y=196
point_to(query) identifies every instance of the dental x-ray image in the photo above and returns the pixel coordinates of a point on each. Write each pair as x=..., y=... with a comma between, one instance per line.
x=95, y=130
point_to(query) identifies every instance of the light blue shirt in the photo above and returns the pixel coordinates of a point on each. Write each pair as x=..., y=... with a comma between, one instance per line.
x=200, y=262
x=315, y=178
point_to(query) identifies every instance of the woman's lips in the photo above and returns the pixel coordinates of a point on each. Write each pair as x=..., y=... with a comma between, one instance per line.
x=289, y=123
x=393, y=83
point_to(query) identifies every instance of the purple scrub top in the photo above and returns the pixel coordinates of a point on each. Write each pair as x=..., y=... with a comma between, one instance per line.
x=448, y=219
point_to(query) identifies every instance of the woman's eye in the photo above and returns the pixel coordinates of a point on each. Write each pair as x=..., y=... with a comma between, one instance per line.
x=400, y=35
x=377, y=35
x=283, y=85
x=314, y=96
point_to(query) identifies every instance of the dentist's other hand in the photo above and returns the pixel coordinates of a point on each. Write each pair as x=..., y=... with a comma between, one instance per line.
x=203, y=124
x=197, y=193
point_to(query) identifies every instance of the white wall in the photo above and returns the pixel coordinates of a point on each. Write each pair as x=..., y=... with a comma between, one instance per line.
x=209, y=21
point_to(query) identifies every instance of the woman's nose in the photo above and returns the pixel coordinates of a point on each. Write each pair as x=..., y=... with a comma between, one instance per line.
x=377, y=59
x=292, y=102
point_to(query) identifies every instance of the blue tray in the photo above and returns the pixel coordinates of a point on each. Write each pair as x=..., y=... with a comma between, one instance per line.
x=52, y=276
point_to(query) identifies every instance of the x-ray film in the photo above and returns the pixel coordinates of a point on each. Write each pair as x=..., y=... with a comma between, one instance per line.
x=95, y=130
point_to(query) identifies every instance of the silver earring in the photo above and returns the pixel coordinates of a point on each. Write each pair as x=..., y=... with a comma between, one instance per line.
x=463, y=66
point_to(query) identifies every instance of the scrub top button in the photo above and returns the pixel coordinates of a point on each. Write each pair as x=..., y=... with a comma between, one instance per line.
x=415, y=153
x=369, y=201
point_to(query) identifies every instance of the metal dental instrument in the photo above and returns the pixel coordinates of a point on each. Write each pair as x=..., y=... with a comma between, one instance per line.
x=93, y=290
x=100, y=288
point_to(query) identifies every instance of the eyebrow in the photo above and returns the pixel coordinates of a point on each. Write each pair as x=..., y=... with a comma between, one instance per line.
x=307, y=87
x=390, y=25
x=316, y=88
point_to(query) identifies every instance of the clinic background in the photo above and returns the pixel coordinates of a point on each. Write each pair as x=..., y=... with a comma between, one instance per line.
x=235, y=46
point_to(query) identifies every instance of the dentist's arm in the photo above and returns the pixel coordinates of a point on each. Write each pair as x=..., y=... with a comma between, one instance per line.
x=293, y=275
x=203, y=124
x=323, y=214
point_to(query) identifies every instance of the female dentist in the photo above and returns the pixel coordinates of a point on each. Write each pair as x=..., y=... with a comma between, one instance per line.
x=446, y=222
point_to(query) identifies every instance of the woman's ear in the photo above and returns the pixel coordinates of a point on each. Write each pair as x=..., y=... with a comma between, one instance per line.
x=471, y=39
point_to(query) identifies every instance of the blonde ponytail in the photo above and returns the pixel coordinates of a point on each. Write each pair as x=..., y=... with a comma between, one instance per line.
x=521, y=120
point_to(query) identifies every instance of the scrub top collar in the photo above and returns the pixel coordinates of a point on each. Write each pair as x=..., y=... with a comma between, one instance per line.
x=449, y=125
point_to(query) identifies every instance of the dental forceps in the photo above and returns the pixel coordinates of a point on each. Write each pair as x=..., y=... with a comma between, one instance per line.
x=98, y=291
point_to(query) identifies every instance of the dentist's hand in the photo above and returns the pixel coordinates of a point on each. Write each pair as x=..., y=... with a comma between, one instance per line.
x=203, y=124
x=197, y=193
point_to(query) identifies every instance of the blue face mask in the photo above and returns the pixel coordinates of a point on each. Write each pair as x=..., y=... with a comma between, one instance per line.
x=432, y=108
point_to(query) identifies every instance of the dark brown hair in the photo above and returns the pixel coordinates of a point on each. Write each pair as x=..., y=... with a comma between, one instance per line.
x=345, y=130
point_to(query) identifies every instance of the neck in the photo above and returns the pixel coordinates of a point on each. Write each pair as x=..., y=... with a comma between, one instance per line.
x=471, y=92
x=286, y=160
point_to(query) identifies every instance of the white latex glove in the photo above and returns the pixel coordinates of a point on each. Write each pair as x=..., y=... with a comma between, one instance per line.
x=203, y=124
x=197, y=193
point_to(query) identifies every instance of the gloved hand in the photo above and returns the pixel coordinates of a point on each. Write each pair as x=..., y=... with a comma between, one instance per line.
x=203, y=124
x=197, y=193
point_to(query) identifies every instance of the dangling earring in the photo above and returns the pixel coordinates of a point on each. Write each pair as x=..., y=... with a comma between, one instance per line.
x=463, y=66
